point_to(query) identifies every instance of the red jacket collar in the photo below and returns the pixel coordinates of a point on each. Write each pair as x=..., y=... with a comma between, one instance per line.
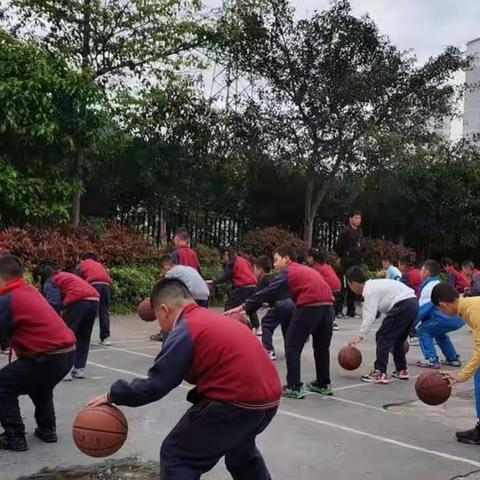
x=12, y=285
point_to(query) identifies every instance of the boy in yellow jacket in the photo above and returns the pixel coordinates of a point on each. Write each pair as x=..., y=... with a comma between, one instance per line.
x=447, y=299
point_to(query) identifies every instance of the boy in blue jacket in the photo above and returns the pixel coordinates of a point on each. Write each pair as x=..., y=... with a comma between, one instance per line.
x=434, y=325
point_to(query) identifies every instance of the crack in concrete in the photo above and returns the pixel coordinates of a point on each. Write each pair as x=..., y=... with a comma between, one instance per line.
x=466, y=475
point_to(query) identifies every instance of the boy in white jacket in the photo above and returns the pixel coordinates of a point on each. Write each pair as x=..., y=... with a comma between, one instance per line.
x=400, y=305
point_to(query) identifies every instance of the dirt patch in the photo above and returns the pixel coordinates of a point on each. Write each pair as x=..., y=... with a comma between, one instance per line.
x=126, y=469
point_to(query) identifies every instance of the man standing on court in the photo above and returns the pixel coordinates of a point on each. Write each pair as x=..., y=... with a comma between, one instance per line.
x=349, y=249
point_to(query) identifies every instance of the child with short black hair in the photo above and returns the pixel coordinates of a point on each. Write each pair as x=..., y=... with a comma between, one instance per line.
x=280, y=311
x=455, y=278
x=95, y=273
x=78, y=301
x=45, y=351
x=390, y=271
x=400, y=305
x=447, y=299
x=469, y=270
x=183, y=254
x=411, y=276
x=317, y=259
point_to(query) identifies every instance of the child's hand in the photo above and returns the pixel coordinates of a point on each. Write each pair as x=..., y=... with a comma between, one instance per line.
x=355, y=340
x=98, y=400
x=233, y=311
x=452, y=378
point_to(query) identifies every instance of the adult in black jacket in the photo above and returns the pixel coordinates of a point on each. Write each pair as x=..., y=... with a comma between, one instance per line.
x=349, y=249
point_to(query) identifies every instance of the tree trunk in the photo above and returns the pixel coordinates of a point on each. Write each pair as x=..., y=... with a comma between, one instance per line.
x=75, y=217
x=163, y=228
x=312, y=204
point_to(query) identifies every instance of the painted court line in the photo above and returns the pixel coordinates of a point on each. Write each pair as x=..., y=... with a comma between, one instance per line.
x=336, y=426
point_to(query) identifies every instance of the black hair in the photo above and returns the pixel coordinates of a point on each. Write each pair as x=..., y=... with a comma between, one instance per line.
x=182, y=233
x=468, y=264
x=448, y=262
x=353, y=213
x=433, y=267
x=88, y=256
x=169, y=289
x=287, y=251
x=167, y=259
x=356, y=274
x=443, y=292
x=405, y=260
x=387, y=258
x=264, y=263
x=318, y=255
x=44, y=271
x=10, y=267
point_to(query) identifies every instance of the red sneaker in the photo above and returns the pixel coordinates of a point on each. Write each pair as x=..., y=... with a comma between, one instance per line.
x=401, y=374
x=376, y=377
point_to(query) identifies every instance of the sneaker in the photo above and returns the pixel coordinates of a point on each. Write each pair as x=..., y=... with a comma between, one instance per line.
x=353, y=315
x=272, y=355
x=15, y=444
x=471, y=437
x=78, y=373
x=340, y=316
x=158, y=337
x=48, y=435
x=414, y=341
x=376, y=377
x=106, y=342
x=257, y=332
x=428, y=364
x=452, y=363
x=335, y=326
x=68, y=377
x=321, y=390
x=401, y=374
x=293, y=392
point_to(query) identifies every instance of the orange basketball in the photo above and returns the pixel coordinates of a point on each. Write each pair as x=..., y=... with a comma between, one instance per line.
x=100, y=431
x=432, y=388
x=349, y=357
x=145, y=310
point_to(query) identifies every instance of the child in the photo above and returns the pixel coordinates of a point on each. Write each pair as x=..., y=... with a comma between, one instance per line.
x=93, y=272
x=232, y=404
x=183, y=254
x=390, y=271
x=189, y=276
x=446, y=298
x=78, y=301
x=472, y=274
x=433, y=325
x=280, y=312
x=317, y=260
x=313, y=316
x=45, y=351
x=400, y=305
x=411, y=276
x=454, y=277
x=239, y=272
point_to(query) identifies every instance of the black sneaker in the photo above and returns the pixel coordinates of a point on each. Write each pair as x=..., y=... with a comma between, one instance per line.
x=15, y=444
x=48, y=435
x=158, y=337
x=471, y=437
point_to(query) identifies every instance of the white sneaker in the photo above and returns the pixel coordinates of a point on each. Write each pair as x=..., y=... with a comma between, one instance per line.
x=78, y=373
x=272, y=355
x=68, y=377
x=106, y=342
x=258, y=332
x=414, y=342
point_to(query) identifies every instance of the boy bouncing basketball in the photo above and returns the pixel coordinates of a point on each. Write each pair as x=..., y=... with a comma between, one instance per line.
x=231, y=404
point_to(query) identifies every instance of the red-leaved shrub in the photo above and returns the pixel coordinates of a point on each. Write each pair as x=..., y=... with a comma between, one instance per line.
x=264, y=241
x=374, y=249
x=113, y=242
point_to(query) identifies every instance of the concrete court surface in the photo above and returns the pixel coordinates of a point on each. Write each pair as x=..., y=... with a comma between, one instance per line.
x=350, y=435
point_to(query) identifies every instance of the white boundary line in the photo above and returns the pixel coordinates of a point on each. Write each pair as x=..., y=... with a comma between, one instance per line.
x=336, y=426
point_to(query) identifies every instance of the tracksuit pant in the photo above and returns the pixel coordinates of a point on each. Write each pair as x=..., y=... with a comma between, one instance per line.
x=476, y=380
x=210, y=430
x=318, y=322
x=80, y=317
x=393, y=332
x=281, y=313
x=437, y=328
x=35, y=376
x=103, y=290
x=237, y=296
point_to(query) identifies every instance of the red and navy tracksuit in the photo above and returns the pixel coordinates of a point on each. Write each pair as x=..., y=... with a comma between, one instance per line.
x=97, y=276
x=45, y=351
x=412, y=278
x=239, y=272
x=184, y=255
x=280, y=313
x=313, y=316
x=457, y=280
x=233, y=402
x=329, y=275
x=67, y=292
